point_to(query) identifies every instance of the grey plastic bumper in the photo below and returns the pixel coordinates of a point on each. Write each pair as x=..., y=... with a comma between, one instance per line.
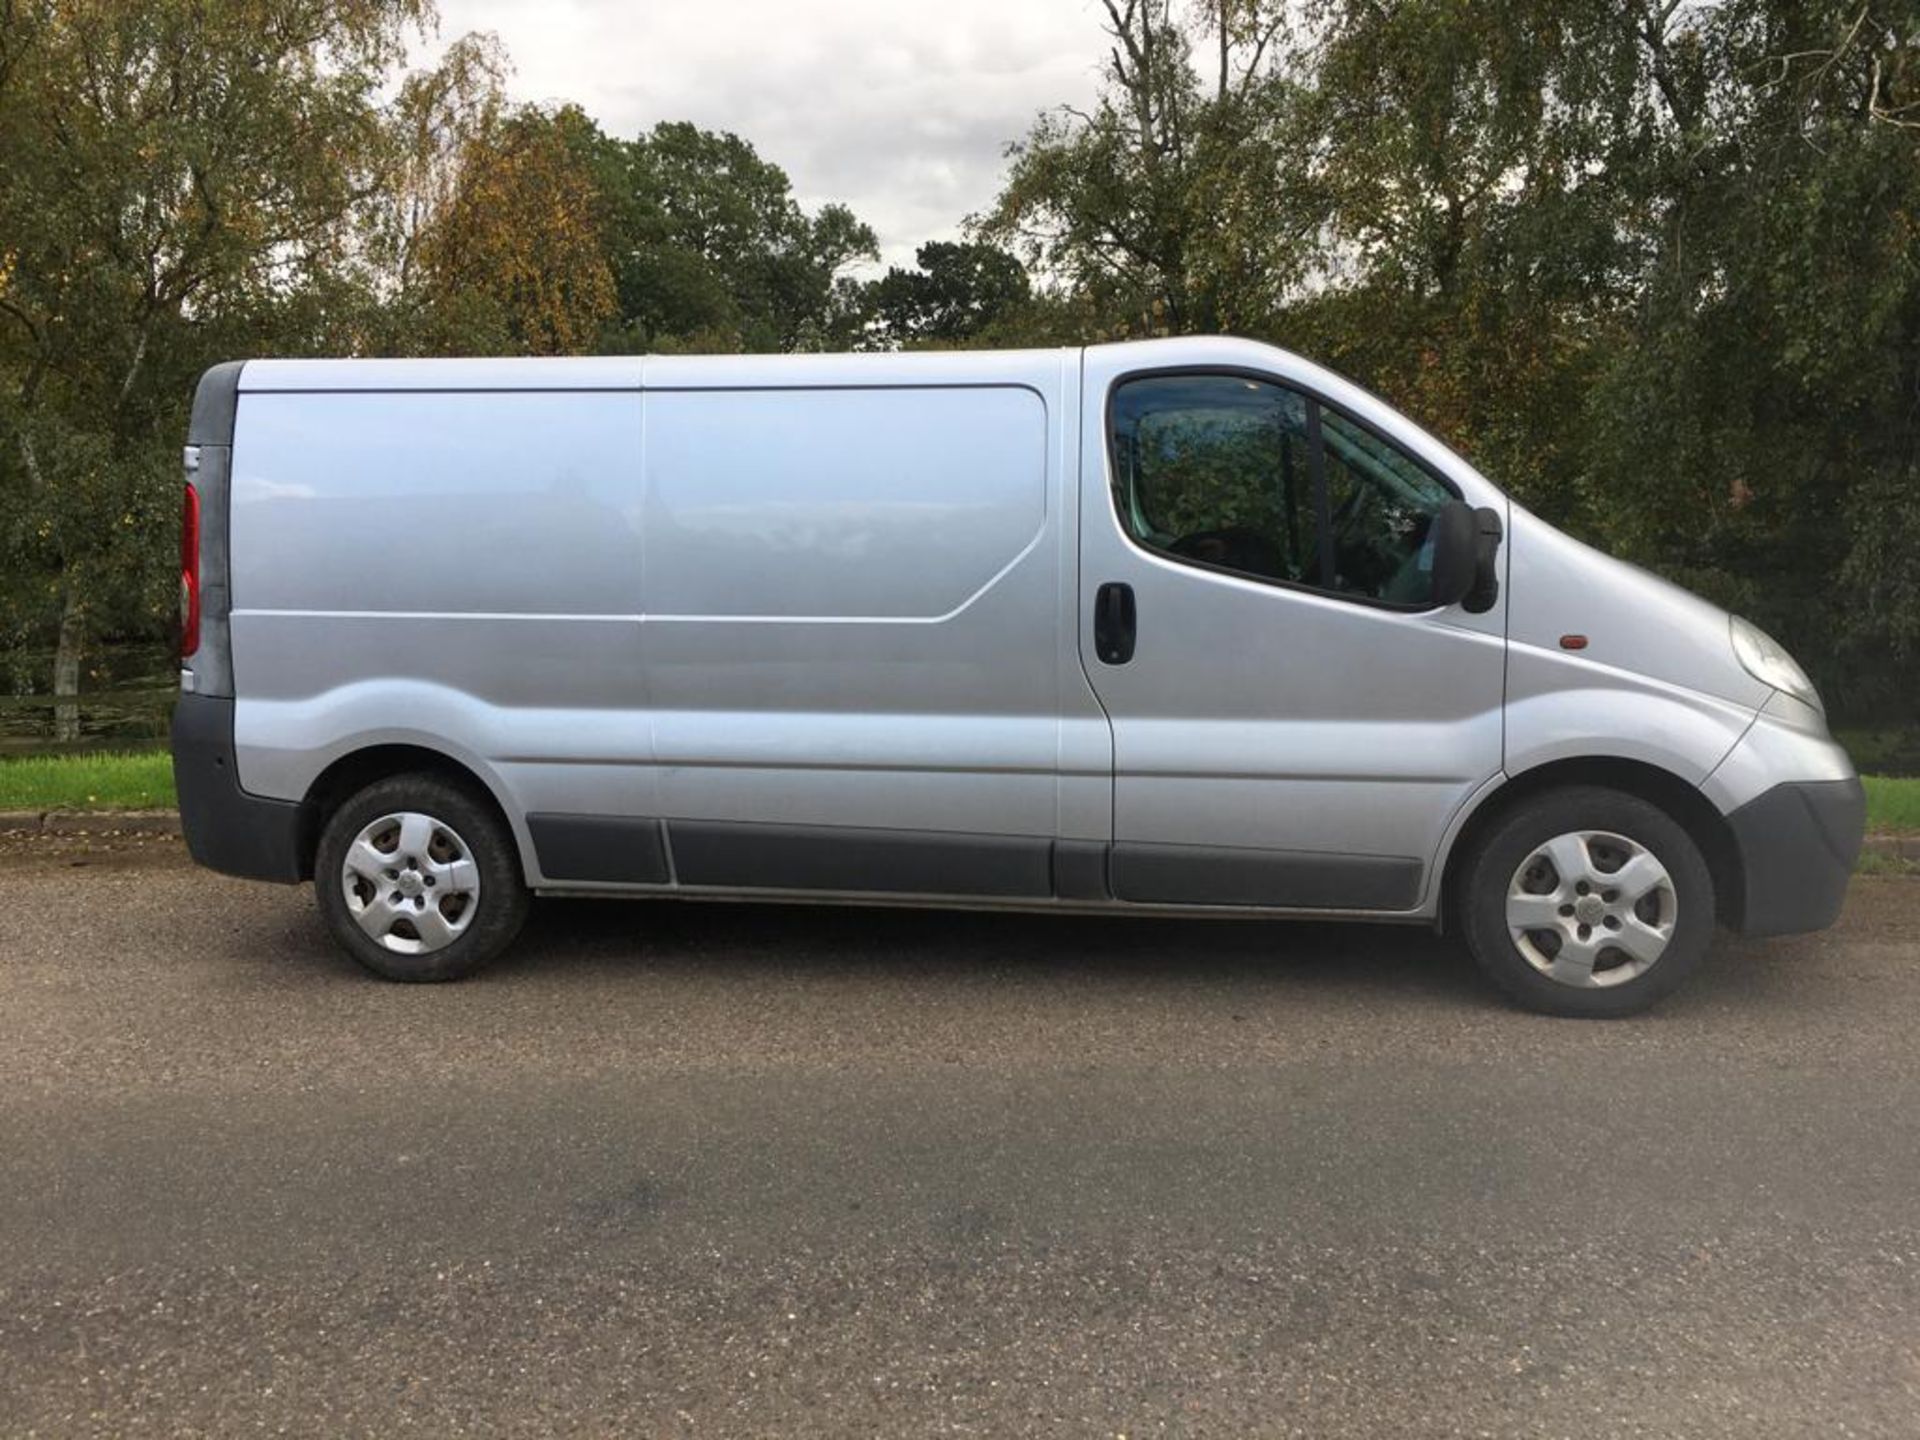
x=226, y=828
x=1797, y=843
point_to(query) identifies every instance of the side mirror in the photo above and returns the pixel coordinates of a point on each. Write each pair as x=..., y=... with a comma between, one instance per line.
x=1466, y=548
x=1456, y=553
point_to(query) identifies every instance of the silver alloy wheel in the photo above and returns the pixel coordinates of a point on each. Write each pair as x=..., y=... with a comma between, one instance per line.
x=411, y=883
x=1591, y=908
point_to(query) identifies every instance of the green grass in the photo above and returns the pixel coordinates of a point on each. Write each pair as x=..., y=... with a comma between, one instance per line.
x=100, y=780
x=143, y=780
x=1893, y=802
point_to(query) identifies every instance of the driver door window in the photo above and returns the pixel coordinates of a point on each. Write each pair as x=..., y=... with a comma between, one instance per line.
x=1243, y=475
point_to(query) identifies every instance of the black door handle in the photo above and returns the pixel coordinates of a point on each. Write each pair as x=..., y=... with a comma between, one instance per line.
x=1113, y=623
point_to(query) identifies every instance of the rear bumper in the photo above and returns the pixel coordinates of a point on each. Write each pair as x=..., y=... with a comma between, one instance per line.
x=1797, y=843
x=226, y=828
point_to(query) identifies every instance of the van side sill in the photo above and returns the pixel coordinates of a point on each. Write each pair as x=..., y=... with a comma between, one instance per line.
x=604, y=849
x=974, y=904
x=749, y=855
x=1080, y=870
x=1268, y=879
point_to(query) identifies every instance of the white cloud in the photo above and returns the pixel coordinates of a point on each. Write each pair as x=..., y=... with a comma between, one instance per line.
x=900, y=109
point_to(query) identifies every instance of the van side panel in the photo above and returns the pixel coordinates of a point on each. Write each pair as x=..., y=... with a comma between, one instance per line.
x=852, y=625
x=464, y=503
x=878, y=504
x=454, y=569
x=798, y=627
x=1652, y=678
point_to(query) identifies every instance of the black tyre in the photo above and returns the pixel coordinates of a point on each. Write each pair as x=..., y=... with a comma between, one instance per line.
x=1586, y=902
x=419, y=879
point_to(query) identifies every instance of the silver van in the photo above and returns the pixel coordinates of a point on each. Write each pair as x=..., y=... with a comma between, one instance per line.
x=1181, y=627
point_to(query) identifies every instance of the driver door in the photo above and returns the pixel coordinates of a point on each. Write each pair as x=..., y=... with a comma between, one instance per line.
x=1294, y=721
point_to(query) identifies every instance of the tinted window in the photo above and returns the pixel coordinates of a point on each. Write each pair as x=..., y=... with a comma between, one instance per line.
x=1380, y=507
x=1236, y=473
x=1214, y=468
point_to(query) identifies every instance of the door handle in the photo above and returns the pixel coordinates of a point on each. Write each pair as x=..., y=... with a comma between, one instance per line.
x=1113, y=623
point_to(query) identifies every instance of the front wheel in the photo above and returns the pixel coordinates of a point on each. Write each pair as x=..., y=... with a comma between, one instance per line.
x=419, y=879
x=1587, y=902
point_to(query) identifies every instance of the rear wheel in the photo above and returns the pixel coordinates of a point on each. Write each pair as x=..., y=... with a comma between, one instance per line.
x=419, y=880
x=1587, y=902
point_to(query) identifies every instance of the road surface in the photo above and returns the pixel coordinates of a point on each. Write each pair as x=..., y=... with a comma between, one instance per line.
x=713, y=1170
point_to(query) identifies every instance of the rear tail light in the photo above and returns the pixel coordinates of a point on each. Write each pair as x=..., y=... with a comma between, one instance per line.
x=189, y=572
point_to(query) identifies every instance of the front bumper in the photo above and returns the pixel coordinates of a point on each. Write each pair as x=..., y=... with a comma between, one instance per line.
x=226, y=828
x=1796, y=845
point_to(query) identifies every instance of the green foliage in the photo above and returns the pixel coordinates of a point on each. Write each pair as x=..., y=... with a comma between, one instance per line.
x=710, y=251
x=172, y=175
x=1167, y=206
x=1881, y=750
x=957, y=292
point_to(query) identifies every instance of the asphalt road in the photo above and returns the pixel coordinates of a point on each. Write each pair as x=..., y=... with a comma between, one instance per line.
x=718, y=1170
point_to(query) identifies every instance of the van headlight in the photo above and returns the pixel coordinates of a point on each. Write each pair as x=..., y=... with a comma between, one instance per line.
x=1763, y=658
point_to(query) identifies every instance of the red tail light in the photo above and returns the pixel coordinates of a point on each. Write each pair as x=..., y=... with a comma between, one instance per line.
x=189, y=572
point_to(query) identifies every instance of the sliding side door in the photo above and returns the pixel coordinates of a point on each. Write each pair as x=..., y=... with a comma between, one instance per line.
x=859, y=625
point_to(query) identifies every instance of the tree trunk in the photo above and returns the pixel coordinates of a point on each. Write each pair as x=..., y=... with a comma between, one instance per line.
x=1226, y=51
x=66, y=671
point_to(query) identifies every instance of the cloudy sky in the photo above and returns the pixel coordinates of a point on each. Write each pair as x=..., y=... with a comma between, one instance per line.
x=901, y=109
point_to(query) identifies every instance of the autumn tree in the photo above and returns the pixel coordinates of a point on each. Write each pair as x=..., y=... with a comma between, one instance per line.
x=513, y=263
x=435, y=122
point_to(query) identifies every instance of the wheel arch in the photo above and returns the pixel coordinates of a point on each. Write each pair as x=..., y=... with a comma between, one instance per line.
x=1675, y=796
x=352, y=772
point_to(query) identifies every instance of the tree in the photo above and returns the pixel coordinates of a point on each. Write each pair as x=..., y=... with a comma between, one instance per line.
x=958, y=291
x=1472, y=162
x=1761, y=425
x=1169, y=204
x=435, y=121
x=709, y=249
x=513, y=261
x=486, y=236
x=168, y=171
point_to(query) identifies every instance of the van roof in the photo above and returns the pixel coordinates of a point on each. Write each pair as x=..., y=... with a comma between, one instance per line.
x=665, y=372
x=634, y=372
